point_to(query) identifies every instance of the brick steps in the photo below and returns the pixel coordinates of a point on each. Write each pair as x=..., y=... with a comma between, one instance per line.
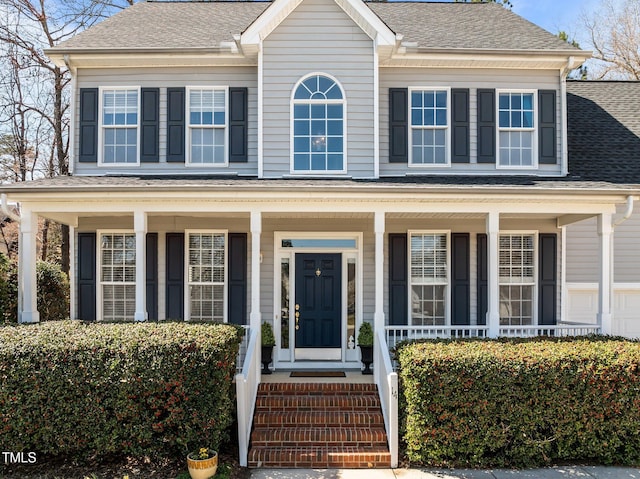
x=318, y=425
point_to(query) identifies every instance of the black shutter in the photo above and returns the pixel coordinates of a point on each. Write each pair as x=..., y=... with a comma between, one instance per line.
x=547, y=127
x=547, y=245
x=486, y=126
x=238, y=125
x=87, y=276
x=460, y=279
x=483, y=283
x=88, y=125
x=398, y=277
x=398, y=125
x=237, y=292
x=150, y=125
x=175, y=275
x=152, y=276
x=460, y=125
x=175, y=125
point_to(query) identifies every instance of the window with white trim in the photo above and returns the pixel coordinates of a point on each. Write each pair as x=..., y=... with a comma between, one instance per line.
x=206, y=276
x=429, y=278
x=516, y=120
x=207, y=126
x=429, y=127
x=120, y=126
x=517, y=279
x=318, y=126
x=118, y=276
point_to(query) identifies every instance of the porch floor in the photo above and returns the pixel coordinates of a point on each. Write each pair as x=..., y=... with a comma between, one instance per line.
x=284, y=376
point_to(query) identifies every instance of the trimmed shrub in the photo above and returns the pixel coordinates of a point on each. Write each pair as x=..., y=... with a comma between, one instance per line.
x=88, y=391
x=521, y=403
x=53, y=292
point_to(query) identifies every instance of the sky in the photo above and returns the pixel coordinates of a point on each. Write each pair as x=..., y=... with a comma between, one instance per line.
x=556, y=15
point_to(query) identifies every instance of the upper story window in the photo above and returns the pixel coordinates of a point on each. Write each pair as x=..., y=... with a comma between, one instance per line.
x=429, y=110
x=516, y=119
x=318, y=126
x=120, y=130
x=207, y=126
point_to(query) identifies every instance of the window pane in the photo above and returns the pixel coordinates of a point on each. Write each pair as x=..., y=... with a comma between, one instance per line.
x=206, y=276
x=517, y=279
x=429, y=110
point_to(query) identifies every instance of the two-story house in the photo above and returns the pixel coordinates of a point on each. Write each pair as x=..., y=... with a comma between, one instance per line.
x=320, y=163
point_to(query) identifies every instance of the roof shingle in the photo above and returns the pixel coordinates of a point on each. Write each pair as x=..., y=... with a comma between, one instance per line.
x=195, y=24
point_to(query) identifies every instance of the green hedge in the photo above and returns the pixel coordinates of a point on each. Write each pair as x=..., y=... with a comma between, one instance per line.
x=521, y=403
x=93, y=390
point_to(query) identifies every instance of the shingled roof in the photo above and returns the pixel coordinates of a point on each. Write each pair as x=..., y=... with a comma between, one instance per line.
x=184, y=25
x=604, y=131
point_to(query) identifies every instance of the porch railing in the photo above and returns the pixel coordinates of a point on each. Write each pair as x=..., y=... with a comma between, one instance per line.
x=247, y=383
x=387, y=381
x=395, y=334
x=556, y=330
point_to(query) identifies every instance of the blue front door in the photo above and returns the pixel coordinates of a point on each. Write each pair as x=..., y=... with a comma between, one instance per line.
x=318, y=306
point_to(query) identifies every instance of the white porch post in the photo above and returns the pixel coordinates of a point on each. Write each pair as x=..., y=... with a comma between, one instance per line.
x=605, y=232
x=256, y=229
x=72, y=272
x=493, y=286
x=379, y=228
x=27, y=280
x=140, y=228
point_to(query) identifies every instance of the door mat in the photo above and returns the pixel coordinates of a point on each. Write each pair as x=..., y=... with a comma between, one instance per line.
x=317, y=374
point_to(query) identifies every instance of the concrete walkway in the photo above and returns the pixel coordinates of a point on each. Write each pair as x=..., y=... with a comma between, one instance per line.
x=586, y=472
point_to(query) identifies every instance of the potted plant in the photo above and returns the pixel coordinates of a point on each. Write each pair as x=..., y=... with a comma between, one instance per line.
x=202, y=464
x=365, y=341
x=268, y=342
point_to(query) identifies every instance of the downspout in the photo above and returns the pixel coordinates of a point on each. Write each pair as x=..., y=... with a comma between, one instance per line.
x=563, y=112
x=627, y=213
x=4, y=207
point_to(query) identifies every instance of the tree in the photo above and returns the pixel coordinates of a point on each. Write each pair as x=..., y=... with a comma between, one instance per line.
x=614, y=32
x=581, y=72
x=34, y=91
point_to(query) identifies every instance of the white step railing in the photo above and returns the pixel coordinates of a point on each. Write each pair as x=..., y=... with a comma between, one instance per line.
x=242, y=350
x=387, y=381
x=247, y=383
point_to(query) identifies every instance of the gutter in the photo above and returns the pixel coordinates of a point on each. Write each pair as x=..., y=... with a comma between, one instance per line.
x=4, y=207
x=626, y=214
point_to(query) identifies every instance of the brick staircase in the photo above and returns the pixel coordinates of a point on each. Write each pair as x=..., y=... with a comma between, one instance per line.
x=318, y=426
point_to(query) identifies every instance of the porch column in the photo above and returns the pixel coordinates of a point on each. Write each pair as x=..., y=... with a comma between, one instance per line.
x=605, y=232
x=27, y=280
x=379, y=228
x=140, y=228
x=72, y=272
x=493, y=281
x=255, y=317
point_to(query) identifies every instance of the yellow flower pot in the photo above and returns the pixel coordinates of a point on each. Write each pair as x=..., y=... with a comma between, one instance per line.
x=202, y=468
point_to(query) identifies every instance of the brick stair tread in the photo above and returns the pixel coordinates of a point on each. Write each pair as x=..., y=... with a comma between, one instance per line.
x=324, y=418
x=298, y=389
x=330, y=457
x=318, y=436
x=315, y=403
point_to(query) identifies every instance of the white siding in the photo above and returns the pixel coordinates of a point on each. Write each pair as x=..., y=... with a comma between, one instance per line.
x=318, y=37
x=473, y=80
x=164, y=78
x=583, y=251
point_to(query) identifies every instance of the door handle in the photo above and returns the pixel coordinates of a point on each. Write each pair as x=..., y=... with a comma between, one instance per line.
x=297, y=315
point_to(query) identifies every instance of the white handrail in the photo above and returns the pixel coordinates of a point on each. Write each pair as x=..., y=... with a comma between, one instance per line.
x=387, y=381
x=247, y=383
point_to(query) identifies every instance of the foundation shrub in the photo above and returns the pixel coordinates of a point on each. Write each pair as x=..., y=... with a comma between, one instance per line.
x=520, y=403
x=87, y=391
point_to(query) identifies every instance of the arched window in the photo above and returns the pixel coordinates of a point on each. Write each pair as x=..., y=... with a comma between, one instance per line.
x=318, y=125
